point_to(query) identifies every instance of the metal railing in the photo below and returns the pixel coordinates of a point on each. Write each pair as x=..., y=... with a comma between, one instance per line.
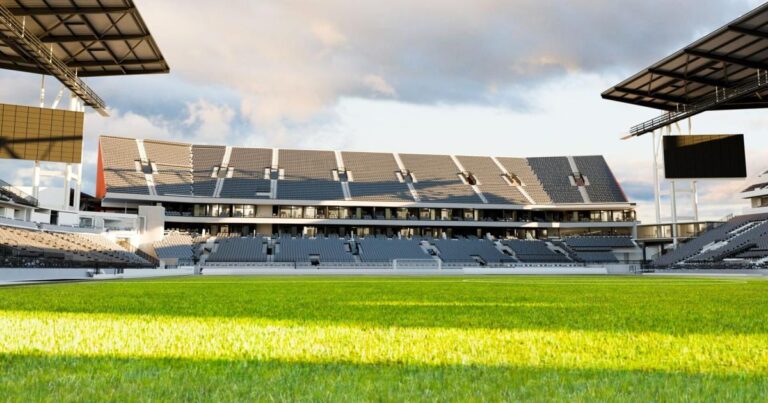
x=17, y=195
x=44, y=57
x=720, y=96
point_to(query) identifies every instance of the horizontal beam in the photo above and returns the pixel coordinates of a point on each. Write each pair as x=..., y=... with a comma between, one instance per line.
x=122, y=73
x=727, y=59
x=747, y=31
x=637, y=102
x=112, y=63
x=67, y=10
x=692, y=79
x=664, y=97
x=89, y=38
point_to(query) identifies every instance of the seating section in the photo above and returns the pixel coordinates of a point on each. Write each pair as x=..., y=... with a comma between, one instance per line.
x=534, y=251
x=374, y=177
x=603, y=187
x=190, y=170
x=599, y=242
x=494, y=188
x=437, y=179
x=308, y=176
x=742, y=237
x=554, y=174
x=119, y=156
x=204, y=160
x=531, y=183
x=62, y=249
x=246, y=249
x=386, y=250
x=176, y=246
x=468, y=250
x=248, y=173
x=302, y=250
x=173, y=163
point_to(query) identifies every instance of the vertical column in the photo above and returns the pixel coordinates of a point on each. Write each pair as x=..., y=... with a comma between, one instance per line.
x=36, y=180
x=674, y=214
x=78, y=187
x=67, y=185
x=656, y=184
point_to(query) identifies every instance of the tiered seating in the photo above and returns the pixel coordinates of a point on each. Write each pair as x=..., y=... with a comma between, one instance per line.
x=71, y=249
x=494, y=188
x=301, y=250
x=603, y=187
x=119, y=156
x=170, y=154
x=374, y=177
x=204, y=159
x=437, y=179
x=742, y=241
x=464, y=251
x=308, y=176
x=599, y=242
x=174, y=167
x=248, y=175
x=385, y=250
x=176, y=246
x=554, y=174
x=534, y=251
x=532, y=184
x=246, y=249
x=722, y=233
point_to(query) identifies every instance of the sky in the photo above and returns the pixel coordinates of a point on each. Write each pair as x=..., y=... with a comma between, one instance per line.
x=487, y=77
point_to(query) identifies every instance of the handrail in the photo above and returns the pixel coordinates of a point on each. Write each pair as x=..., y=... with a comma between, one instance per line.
x=18, y=194
x=721, y=96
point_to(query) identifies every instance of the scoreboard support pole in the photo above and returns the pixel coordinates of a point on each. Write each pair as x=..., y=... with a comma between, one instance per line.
x=676, y=188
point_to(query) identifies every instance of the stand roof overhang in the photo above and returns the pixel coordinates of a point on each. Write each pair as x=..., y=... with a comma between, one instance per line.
x=72, y=39
x=727, y=69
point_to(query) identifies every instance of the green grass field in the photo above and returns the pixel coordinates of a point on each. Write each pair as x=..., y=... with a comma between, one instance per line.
x=384, y=339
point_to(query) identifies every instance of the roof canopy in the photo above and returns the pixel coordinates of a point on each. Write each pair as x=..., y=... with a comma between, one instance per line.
x=727, y=69
x=71, y=39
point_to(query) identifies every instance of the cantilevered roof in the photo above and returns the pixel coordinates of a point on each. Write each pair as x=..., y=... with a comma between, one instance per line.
x=72, y=39
x=727, y=69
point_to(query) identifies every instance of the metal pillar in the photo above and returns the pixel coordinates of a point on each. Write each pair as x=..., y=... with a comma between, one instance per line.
x=36, y=180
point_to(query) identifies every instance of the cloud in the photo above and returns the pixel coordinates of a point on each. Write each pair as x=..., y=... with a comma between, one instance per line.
x=293, y=59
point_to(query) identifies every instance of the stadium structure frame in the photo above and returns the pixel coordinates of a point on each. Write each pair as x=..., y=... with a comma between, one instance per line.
x=70, y=40
x=724, y=70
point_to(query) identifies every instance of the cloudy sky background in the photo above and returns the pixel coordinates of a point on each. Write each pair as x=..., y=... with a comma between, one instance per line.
x=487, y=77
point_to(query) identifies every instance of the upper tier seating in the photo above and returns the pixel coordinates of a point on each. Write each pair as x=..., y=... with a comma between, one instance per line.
x=464, y=250
x=245, y=249
x=204, y=160
x=534, y=251
x=385, y=250
x=119, y=156
x=302, y=250
x=494, y=188
x=374, y=177
x=554, y=174
x=603, y=187
x=437, y=179
x=531, y=184
x=248, y=173
x=308, y=176
x=174, y=167
x=196, y=170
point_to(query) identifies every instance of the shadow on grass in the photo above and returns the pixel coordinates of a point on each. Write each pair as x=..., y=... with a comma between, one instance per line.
x=34, y=378
x=610, y=304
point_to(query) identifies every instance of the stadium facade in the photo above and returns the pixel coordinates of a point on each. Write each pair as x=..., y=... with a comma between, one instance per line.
x=223, y=190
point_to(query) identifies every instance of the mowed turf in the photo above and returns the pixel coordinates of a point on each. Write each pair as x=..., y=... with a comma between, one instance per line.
x=384, y=338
